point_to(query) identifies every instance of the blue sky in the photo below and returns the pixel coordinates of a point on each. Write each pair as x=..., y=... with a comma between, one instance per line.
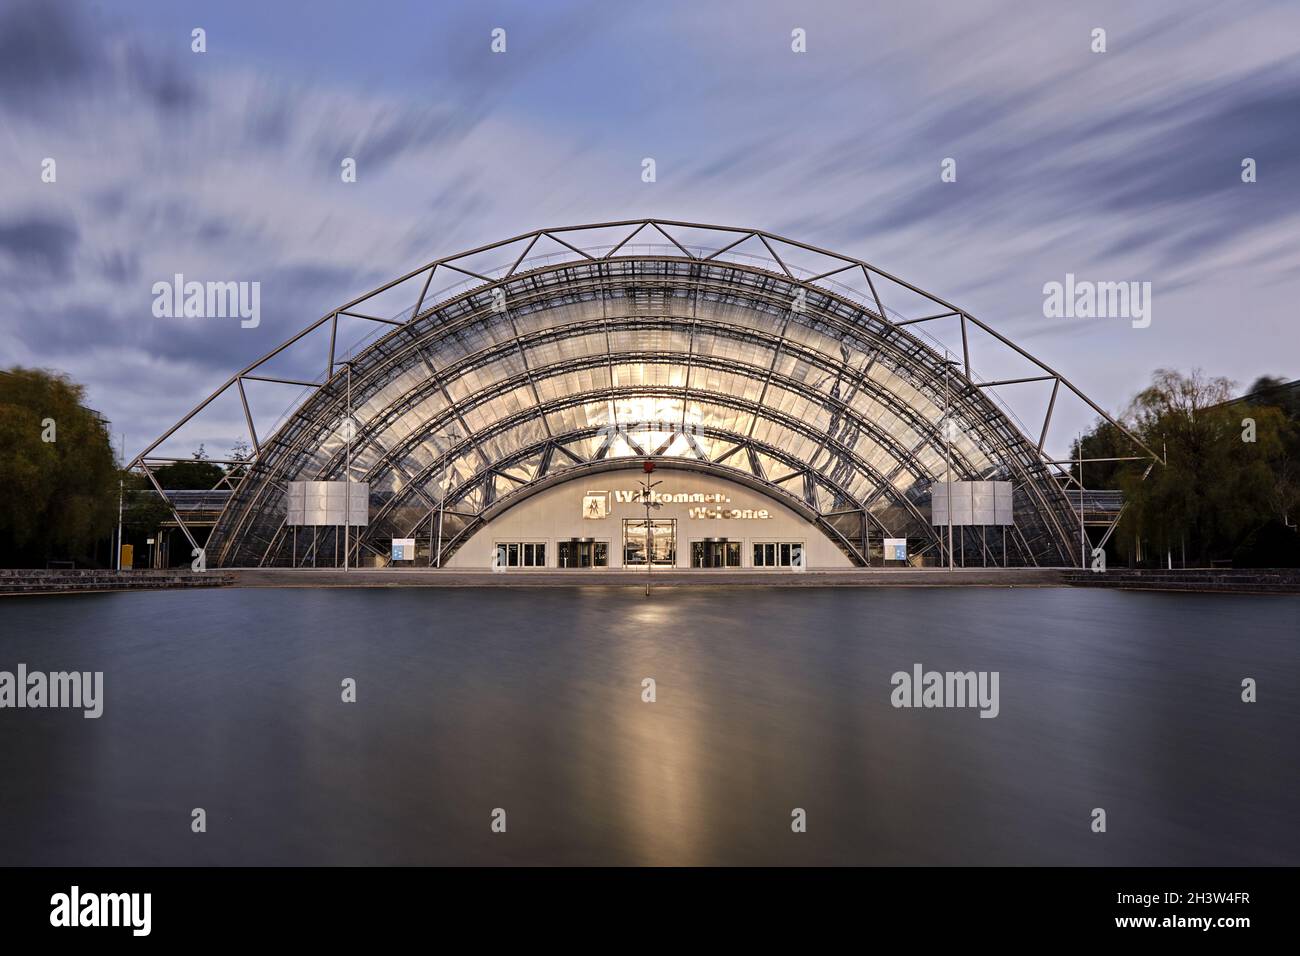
x=1122, y=166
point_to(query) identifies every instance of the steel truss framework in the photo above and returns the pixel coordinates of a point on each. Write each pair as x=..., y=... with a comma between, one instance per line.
x=566, y=352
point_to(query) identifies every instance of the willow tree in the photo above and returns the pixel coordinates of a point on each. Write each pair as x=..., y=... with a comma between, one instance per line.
x=58, y=479
x=1219, y=482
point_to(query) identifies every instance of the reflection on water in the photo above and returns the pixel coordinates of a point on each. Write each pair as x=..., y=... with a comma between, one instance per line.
x=767, y=700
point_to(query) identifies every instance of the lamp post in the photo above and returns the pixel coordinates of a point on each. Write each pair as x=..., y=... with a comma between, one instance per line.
x=120, y=491
x=347, y=478
x=646, y=486
x=435, y=559
x=1083, y=535
x=947, y=450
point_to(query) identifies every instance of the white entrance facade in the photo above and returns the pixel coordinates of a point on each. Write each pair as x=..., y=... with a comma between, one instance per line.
x=698, y=521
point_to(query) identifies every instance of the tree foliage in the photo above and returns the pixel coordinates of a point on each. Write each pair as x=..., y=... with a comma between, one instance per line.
x=58, y=497
x=144, y=510
x=1230, y=469
x=197, y=475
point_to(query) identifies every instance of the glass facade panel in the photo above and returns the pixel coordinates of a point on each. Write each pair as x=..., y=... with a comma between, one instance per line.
x=778, y=554
x=852, y=400
x=521, y=554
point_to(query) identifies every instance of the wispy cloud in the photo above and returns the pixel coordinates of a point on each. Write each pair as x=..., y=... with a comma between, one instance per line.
x=226, y=165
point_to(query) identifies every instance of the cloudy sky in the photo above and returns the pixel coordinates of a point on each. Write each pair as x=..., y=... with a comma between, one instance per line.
x=225, y=165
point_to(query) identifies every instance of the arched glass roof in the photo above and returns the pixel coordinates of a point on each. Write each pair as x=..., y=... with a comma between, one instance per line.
x=534, y=369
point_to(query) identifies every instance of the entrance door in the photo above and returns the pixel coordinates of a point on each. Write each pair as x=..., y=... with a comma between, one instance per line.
x=662, y=536
x=582, y=554
x=715, y=554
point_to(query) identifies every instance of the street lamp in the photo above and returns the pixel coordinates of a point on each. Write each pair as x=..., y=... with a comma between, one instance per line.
x=436, y=561
x=121, y=490
x=121, y=493
x=348, y=428
x=947, y=450
x=646, y=486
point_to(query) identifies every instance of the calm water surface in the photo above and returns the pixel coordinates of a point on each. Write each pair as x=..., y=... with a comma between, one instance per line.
x=530, y=700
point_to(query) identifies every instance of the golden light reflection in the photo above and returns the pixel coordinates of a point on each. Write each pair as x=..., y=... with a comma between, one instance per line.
x=657, y=773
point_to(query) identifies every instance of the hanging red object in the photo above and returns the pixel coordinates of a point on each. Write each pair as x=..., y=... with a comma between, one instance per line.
x=649, y=466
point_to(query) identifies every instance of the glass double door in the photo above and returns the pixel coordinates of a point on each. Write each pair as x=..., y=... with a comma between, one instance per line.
x=582, y=554
x=658, y=539
x=715, y=554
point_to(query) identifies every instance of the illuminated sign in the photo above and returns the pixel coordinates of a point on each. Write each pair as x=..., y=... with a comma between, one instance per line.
x=403, y=549
x=760, y=514
x=596, y=504
x=666, y=498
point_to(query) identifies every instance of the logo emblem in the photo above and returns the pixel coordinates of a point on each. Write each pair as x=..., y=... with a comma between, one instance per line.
x=595, y=504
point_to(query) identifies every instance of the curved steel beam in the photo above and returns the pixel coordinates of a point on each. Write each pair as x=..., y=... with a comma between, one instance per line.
x=638, y=225
x=879, y=337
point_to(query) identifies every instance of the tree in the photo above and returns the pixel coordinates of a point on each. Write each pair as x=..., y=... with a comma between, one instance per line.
x=1278, y=392
x=1276, y=543
x=198, y=474
x=144, y=510
x=1105, y=441
x=240, y=454
x=57, y=471
x=1225, y=476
